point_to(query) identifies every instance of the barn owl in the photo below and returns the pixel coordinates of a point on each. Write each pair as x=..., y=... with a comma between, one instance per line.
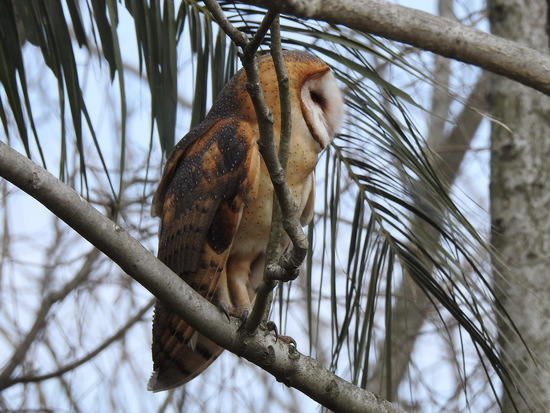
x=215, y=202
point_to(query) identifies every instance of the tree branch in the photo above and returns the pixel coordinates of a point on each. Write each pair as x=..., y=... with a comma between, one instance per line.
x=428, y=32
x=282, y=361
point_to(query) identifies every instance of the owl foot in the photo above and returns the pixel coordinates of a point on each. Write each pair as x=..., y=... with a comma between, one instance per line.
x=271, y=326
x=236, y=312
x=243, y=317
x=223, y=308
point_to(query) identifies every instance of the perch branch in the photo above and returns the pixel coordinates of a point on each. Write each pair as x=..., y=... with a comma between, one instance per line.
x=282, y=361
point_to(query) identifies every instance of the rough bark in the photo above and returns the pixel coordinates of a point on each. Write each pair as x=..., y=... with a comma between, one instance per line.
x=520, y=207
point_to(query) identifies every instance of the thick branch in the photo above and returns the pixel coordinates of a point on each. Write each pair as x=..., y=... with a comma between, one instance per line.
x=429, y=32
x=282, y=361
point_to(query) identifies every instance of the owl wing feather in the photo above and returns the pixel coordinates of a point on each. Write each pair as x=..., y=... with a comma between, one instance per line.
x=208, y=180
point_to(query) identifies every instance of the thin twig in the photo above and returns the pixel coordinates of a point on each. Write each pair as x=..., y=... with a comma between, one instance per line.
x=284, y=92
x=40, y=320
x=287, y=267
x=238, y=37
x=264, y=295
x=77, y=363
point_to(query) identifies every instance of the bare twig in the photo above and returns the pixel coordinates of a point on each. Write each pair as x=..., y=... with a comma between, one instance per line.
x=77, y=363
x=284, y=92
x=40, y=320
x=264, y=291
x=286, y=268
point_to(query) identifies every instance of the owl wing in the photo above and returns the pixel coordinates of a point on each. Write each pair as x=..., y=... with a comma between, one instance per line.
x=206, y=184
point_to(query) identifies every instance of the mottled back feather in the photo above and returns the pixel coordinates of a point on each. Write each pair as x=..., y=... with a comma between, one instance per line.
x=203, y=198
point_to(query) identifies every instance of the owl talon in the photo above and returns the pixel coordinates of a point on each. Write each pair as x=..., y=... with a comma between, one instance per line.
x=288, y=340
x=241, y=314
x=223, y=308
x=243, y=317
x=271, y=326
x=292, y=275
x=279, y=274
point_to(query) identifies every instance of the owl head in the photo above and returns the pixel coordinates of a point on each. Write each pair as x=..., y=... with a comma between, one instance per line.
x=314, y=94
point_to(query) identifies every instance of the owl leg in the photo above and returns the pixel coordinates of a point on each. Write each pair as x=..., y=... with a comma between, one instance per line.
x=221, y=295
x=238, y=284
x=231, y=294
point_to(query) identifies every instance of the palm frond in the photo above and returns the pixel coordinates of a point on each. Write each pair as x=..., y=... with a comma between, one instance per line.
x=12, y=70
x=414, y=228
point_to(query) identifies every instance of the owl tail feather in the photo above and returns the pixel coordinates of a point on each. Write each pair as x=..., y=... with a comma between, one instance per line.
x=179, y=352
x=190, y=363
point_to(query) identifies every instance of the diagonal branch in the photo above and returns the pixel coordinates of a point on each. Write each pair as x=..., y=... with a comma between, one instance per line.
x=282, y=361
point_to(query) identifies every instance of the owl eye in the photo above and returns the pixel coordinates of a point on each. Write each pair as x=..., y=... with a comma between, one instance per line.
x=317, y=98
x=321, y=102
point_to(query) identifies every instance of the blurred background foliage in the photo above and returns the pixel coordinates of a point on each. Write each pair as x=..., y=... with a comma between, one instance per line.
x=395, y=295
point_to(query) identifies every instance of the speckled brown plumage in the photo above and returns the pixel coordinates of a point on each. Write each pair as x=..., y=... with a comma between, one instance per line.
x=215, y=202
